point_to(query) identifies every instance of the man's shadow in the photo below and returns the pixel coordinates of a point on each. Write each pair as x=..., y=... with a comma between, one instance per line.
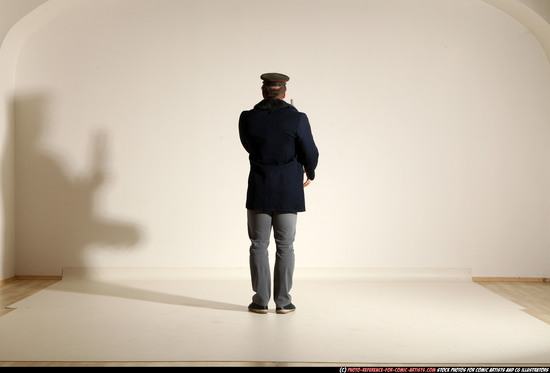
x=106, y=288
x=56, y=214
x=56, y=217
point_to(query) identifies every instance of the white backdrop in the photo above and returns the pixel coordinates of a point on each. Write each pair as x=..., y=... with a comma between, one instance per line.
x=431, y=117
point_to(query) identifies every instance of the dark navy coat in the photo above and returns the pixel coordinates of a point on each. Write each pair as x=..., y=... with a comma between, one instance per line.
x=280, y=144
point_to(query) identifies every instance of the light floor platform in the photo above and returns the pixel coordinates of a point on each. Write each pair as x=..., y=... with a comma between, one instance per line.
x=343, y=317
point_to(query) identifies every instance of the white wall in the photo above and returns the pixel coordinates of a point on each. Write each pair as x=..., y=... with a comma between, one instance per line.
x=431, y=118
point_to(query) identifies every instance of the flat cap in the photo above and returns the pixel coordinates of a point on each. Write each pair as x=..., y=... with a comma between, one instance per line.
x=274, y=78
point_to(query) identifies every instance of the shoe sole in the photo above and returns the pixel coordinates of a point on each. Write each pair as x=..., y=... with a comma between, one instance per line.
x=256, y=310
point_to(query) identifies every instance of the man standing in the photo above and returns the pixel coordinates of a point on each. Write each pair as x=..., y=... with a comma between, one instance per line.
x=281, y=149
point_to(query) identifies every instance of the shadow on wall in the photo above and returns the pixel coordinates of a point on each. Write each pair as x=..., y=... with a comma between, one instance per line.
x=55, y=213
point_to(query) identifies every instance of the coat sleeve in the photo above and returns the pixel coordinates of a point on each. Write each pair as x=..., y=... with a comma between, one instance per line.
x=308, y=154
x=242, y=132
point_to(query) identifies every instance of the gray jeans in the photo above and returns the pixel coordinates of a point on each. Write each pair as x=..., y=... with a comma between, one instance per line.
x=259, y=232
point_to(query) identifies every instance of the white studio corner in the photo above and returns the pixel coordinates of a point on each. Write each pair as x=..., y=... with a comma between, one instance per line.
x=122, y=173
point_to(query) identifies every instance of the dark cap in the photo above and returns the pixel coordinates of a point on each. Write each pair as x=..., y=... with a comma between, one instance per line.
x=274, y=78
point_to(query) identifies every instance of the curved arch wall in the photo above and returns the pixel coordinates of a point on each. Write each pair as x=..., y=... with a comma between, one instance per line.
x=12, y=12
x=431, y=119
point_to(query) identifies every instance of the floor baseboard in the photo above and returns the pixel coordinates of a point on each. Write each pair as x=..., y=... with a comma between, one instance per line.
x=8, y=280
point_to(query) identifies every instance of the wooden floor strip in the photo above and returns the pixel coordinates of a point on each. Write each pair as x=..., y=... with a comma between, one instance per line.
x=510, y=279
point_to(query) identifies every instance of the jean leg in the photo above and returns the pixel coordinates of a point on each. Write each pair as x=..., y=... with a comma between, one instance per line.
x=259, y=231
x=284, y=226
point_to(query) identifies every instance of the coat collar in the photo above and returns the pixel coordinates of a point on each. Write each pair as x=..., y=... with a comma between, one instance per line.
x=272, y=104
